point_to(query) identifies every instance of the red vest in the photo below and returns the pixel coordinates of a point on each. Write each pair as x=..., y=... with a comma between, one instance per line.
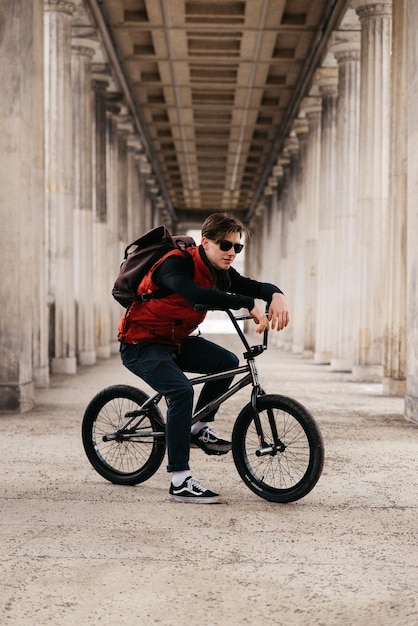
x=166, y=320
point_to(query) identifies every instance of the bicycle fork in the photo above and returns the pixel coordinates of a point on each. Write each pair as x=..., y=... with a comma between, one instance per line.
x=265, y=448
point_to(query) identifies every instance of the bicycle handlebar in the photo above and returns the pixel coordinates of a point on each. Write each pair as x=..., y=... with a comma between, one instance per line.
x=206, y=307
x=234, y=319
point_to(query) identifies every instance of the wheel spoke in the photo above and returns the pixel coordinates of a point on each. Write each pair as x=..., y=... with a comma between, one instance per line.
x=123, y=460
x=280, y=476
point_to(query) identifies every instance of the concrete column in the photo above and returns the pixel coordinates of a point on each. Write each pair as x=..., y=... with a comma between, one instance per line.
x=394, y=381
x=40, y=309
x=21, y=206
x=123, y=131
x=253, y=251
x=347, y=54
x=295, y=207
x=267, y=243
x=293, y=238
x=142, y=218
x=83, y=49
x=114, y=246
x=325, y=331
x=272, y=239
x=411, y=398
x=273, y=249
x=135, y=191
x=289, y=196
x=59, y=174
x=279, y=260
x=142, y=192
x=284, y=260
x=376, y=21
x=312, y=109
x=102, y=284
x=148, y=214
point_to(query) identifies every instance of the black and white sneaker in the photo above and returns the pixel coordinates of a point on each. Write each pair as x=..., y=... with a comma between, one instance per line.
x=192, y=491
x=209, y=441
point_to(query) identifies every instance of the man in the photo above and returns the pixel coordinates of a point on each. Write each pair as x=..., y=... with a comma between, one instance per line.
x=156, y=341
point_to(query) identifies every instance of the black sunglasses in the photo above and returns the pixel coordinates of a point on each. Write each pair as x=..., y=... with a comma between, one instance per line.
x=226, y=245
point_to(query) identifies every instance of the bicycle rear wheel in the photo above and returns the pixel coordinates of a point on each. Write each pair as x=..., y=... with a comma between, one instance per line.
x=125, y=454
x=283, y=473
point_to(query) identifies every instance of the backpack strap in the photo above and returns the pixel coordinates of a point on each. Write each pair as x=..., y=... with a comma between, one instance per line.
x=165, y=291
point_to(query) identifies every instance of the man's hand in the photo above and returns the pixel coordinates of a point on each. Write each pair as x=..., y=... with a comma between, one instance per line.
x=278, y=314
x=260, y=319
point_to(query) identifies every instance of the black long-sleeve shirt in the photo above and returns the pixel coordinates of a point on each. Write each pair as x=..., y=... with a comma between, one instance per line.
x=176, y=274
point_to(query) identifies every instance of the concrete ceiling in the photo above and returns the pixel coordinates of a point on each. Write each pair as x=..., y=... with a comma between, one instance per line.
x=216, y=85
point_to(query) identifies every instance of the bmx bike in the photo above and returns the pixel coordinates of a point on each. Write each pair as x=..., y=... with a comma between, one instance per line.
x=277, y=446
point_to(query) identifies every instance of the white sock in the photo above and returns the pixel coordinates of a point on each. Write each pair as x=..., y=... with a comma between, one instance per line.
x=198, y=426
x=178, y=478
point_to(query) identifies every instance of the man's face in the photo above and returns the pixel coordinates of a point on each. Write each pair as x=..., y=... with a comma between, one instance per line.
x=221, y=259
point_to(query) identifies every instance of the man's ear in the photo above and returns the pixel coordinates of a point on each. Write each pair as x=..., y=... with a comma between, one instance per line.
x=205, y=242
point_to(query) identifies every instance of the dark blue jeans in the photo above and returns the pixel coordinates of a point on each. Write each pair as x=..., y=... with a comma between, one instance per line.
x=162, y=368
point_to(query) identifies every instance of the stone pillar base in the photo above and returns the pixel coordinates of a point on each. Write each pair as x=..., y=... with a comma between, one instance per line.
x=308, y=354
x=341, y=365
x=322, y=358
x=103, y=352
x=114, y=347
x=64, y=366
x=88, y=357
x=17, y=398
x=367, y=373
x=392, y=387
x=41, y=377
x=411, y=408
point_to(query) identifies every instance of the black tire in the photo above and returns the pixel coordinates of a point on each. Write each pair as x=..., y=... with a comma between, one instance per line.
x=124, y=462
x=284, y=476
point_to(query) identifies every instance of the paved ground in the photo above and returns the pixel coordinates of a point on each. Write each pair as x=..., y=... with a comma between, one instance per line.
x=79, y=550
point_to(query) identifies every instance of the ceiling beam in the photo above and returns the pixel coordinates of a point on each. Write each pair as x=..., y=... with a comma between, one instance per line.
x=103, y=26
x=333, y=14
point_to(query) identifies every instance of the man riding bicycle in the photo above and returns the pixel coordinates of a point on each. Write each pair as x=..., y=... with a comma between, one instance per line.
x=157, y=345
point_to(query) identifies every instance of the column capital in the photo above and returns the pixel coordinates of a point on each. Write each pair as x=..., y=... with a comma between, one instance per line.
x=84, y=46
x=84, y=40
x=125, y=127
x=134, y=144
x=348, y=50
x=311, y=106
x=301, y=126
x=101, y=75
x=326, y=80
x=372, y=8
x=114, y=102
x=61, y=6
x=291, y=144
x=100, y=83
x=278, y=171
x=284, y=158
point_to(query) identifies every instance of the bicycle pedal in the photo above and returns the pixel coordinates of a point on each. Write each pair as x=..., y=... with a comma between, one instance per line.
x=216, y=452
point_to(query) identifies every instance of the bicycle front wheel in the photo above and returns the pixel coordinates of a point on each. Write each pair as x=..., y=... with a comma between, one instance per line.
x=122, y=448
x=285, y=463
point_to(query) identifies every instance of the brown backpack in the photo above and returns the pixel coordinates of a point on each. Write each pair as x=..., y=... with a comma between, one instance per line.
x=139, y=257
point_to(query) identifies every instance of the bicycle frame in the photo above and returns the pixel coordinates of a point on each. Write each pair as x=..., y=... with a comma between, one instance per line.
x=124, y=433
x=250, y=378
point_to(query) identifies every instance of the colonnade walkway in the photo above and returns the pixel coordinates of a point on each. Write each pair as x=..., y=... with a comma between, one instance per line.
x=79, y=550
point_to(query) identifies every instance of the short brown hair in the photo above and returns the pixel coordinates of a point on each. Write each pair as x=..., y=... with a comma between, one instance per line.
x=218, y=225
